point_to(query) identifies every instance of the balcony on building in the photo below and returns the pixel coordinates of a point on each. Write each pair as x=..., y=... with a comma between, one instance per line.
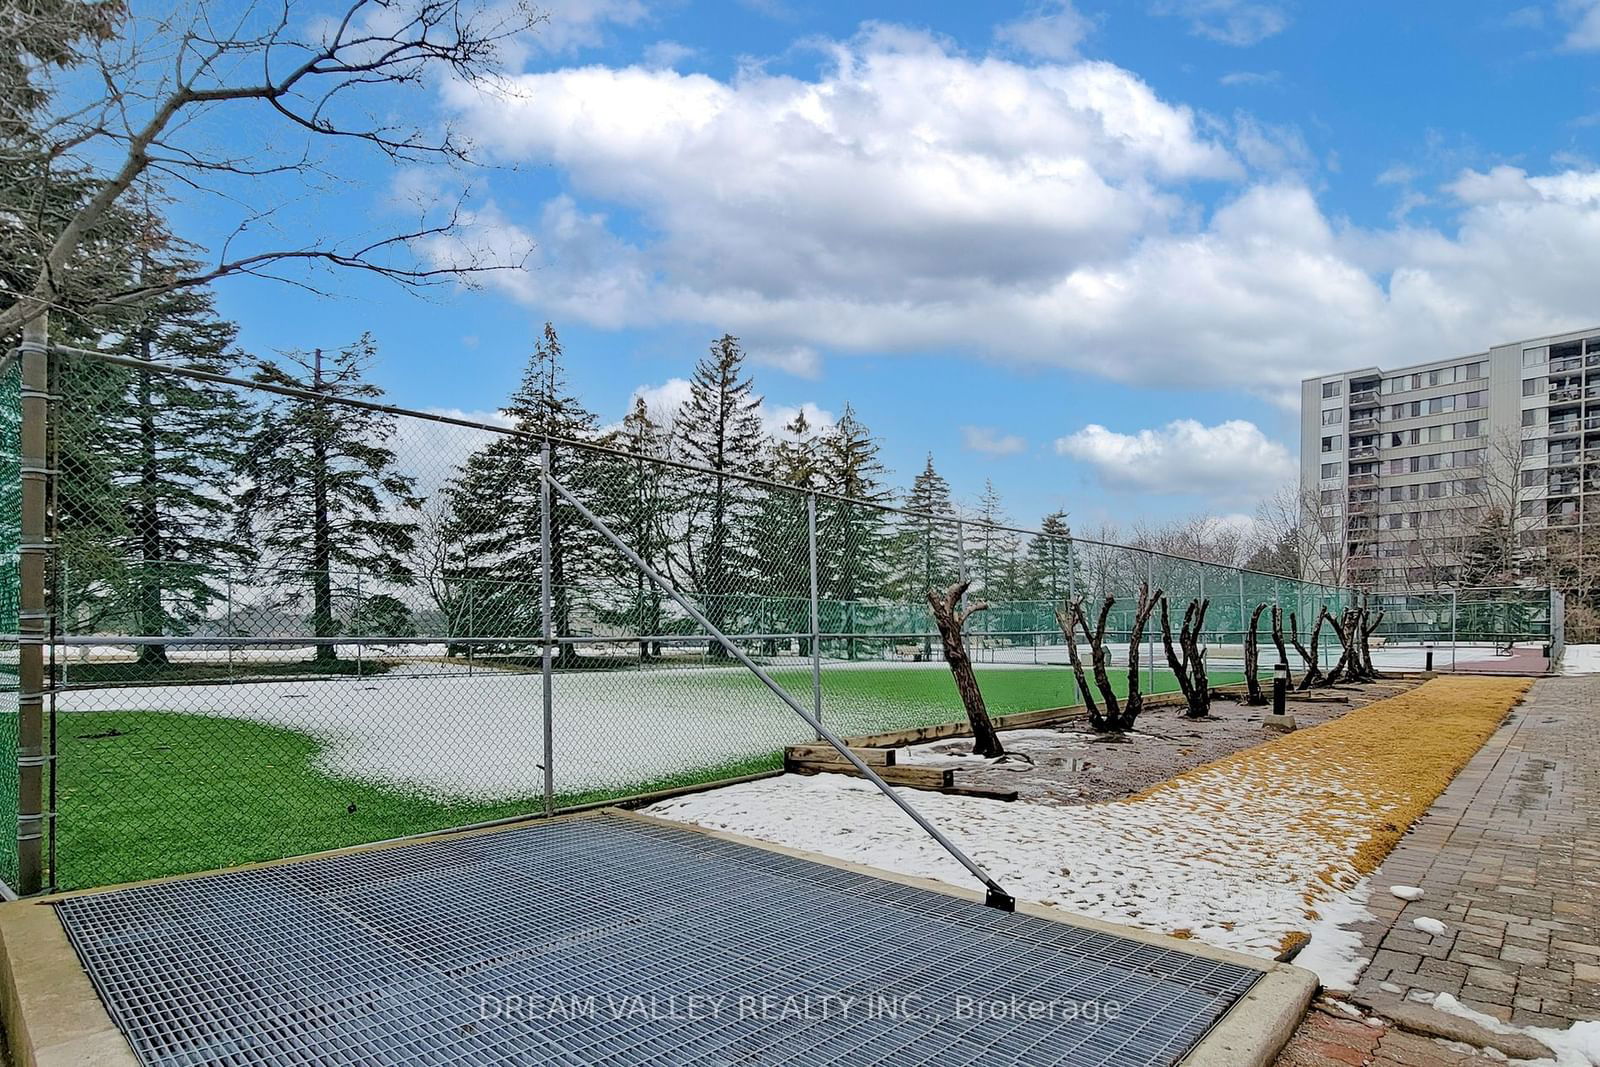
x=1365, y=478
x=1567, y=426
x=1565, y=394
x=1567, y=457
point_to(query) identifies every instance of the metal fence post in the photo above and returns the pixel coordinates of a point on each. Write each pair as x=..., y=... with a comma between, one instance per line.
x=229, y=623
x=816, y=622
x=359, y=646
x=546, y=607
x=1454, y=604
x=961, y=566
x=1149, y=635
x=1243, y=615
x=33, y=615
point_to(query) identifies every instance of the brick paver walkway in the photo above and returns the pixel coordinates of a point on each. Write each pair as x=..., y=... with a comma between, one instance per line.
x=1509, y=860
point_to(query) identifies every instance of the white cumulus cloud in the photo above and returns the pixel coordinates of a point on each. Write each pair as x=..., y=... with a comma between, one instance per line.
x=1232, y=461
x=992, y=442
x=909, y=196
x=1051, y=30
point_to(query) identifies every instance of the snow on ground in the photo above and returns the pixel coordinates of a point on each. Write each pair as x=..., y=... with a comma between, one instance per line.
x=1576, y=1046
x=481, y=736
x=1581, y=659
x=1232, y=858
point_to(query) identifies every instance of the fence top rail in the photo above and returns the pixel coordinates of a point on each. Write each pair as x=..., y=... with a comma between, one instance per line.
x=134, y=363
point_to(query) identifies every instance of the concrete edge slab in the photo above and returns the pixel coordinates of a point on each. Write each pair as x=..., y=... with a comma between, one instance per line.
x=1258, y=1027
x=53, y=1016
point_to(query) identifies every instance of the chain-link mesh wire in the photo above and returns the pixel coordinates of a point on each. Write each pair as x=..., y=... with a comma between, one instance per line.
x=293, y=620
x=10, y=574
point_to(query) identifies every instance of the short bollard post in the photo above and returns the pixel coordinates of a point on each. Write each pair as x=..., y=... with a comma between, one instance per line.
x=1280, y=719
x=1428, y=663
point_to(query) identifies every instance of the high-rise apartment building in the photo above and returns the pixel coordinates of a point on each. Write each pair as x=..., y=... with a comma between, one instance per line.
x=1403, y=467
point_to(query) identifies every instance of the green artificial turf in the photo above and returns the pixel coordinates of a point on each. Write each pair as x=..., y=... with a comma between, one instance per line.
x=144, y=794
x=147, y=794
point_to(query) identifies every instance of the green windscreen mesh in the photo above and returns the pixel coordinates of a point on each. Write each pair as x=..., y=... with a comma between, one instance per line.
x=10, y=537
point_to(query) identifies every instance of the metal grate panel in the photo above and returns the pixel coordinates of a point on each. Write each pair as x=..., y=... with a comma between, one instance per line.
x=407, y=956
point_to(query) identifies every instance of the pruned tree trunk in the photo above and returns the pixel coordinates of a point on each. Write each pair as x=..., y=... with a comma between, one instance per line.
x=950, y=620
x=1277, y=640
x=1342, y=628
x=1141, y=616
x=1367, y=630
x=1098, y=657
x=1252, y=660
x=1190, y=666
x=1313, y=672
x=1069, y=621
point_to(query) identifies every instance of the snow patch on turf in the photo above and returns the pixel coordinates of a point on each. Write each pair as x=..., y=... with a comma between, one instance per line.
x=1232, y=857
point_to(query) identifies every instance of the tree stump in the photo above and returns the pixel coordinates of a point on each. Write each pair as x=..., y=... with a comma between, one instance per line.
x=950, y=620
x=1141, y=616
x=1252, y=660
x=1277, y=640
x=1069, y=621
x=1313, y=672
x=1190, y=667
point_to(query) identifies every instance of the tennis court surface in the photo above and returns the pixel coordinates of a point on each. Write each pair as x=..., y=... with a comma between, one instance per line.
x=607, y=938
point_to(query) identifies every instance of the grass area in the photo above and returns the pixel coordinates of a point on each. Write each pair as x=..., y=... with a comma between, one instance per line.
x=128, y=672
x=870, y=701
x=148, y=794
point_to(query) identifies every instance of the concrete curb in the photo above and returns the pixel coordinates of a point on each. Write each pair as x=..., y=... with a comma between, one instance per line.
x=53, y=1016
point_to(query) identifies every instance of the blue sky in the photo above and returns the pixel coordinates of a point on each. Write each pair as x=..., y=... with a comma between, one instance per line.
x=1027, y=238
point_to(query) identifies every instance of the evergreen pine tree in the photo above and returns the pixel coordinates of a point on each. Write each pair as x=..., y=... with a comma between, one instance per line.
x=494, y=508
x=322, y=494
x=636, y=506
x=795, y=458
x=174, y=445
x=994, y=565
x=1050, y=567
x=925, y=553
x=721, y=430
x=927, y=556
x=854, y=548
x=859, y=549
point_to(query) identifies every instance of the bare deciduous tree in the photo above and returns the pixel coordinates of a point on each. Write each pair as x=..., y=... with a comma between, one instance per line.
x=951, y=618
x=1134, y=704
x=1252, y=659
x=291, y=89
x=1190, y=665
x=1309, y=656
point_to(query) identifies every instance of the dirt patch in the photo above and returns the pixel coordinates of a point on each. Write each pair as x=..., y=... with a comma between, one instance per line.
x=1070, y=766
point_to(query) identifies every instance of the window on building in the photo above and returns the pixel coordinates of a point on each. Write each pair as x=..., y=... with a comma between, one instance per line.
x=1330, y=496
x=1331, y=389
x=1533, y=478
x=1531, y=417
x=1533, y=357
x=1330, y=470
x=1330, y=444
x=1332, y=417
x=1532, y=386
x=1534, y=447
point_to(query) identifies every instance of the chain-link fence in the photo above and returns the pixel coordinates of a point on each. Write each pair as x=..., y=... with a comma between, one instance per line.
x=286, y=617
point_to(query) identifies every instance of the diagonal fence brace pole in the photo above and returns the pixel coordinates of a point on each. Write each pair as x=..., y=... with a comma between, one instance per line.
x=995, y=895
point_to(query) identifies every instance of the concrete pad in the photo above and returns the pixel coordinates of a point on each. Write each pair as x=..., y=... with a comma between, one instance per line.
x=53, y=1017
